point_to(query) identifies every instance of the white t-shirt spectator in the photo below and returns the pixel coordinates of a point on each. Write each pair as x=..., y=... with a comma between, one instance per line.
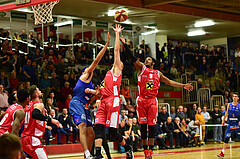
x=237, y=54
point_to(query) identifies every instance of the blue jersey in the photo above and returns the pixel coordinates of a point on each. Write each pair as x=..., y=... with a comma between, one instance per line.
x=233, y=114
x=79, y=91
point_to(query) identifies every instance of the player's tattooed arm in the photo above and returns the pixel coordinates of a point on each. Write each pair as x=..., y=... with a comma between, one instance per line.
x=94, y=64
x=18, y=118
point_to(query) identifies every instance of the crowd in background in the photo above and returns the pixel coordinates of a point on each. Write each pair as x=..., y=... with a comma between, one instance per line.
x=56, y=70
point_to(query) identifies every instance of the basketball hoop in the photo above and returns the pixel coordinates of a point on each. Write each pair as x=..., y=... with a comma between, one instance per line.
x=43, y=12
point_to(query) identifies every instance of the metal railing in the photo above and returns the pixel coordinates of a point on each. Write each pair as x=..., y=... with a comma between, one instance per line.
x=125, y=81
x=193, y=93
x=204, y=97
x=134, y=93
x=217, y=100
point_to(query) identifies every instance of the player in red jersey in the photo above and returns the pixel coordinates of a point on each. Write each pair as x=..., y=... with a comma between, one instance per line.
x=12, y=119
x=34, y=126
x=147, y=106
x=108, y=112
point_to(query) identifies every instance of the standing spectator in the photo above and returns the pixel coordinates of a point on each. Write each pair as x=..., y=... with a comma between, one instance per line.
x=206, y=118
x=13, y=81
x=193, y=112
x=159, y=136
x=68, y=125
x=52, y=38
x=137, y=134
x=3, y=98
x=144, y=50
x=170, y=48
x=162, y=116
x=23, y=36
x=168, y=127
x=200, y=117
x=178, y=54
x=237, y=58
x=181, y=114
x=223, y=111
x=4, y=81
x=216, y=120
x=123, y=116
x=164, y=51
x=173, y=114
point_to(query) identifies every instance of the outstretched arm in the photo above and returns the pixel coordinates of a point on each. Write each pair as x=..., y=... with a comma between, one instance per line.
x=139, y=65
x=164, y=79
x=18, y=118
x=94, y=64
x=117, y=61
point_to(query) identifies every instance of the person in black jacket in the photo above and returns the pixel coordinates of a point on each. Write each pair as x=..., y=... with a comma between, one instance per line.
x=178, y=133
x=159, y=136
x=193, y=112
x=217, y=119
x=68, y=125
x=168, y=127
x=162, y=116
x=181, y=114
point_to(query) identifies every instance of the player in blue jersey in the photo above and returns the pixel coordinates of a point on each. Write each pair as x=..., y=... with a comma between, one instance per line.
x=233, y=129
x=84, y=94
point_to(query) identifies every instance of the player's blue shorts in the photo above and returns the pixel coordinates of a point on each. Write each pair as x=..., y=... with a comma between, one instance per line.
x=80, y=112
x=232, y=133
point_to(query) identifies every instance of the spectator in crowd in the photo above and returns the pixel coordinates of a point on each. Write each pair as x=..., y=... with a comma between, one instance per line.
x=178, y=54
x=223, y=111
x=68, y=125
x=54, y=83
x=143, y=50
x=206, y=118
x=10, y=146
x=164, y=51
x=172, y=113
x=159, y=136
x=200, y=117
x=27, y=71
x=67, y=101
x=48, y=134
x=3, y=98
x=94, y=110
x=193, y=112
x=181, y=114
x=123, y=131
x=72, y=80
x=60, y=68
x=65, y=91
x=137, y=134
x=220, y=87
x=4, y=81
x=123, y=116
x=162, y=116
x=185, y=111
x=177, y=133
x=49, y=107
x=185, y=133
x=131, y=109
x=130, y=132
x=70, y=55
x=37, y=57
x=126, y=92
x=237, y=58
x=52, y=38
x=53, y=100
x=173, y=71
x=45, y=85
x=168, y=127
x=23, y=36
x=216, y=120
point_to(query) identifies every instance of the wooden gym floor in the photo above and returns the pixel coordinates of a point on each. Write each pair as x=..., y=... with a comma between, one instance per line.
x=208, y=151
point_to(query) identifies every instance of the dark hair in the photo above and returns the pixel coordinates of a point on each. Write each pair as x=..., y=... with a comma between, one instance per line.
x=11, y=99
x=10, y=146
x=22, y=95
x=32, y=91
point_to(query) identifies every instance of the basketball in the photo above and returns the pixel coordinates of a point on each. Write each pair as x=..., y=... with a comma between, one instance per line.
x=121, y=15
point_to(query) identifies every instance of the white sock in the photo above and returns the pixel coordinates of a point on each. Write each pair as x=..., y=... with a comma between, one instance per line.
x=87, y=153
x=223, y=151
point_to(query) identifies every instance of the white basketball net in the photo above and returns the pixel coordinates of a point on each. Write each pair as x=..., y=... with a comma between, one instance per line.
x=43, y=12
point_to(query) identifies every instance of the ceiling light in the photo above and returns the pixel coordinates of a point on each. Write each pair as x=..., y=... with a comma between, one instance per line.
x=204, y=23
x=63, y=23
x=111, y=13
x=150, y=32
x=196, y=33
x=150, y=27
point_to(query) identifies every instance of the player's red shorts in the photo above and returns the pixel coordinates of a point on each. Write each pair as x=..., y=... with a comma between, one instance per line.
x=147, y=110
x=108, y=112
x=33, y=147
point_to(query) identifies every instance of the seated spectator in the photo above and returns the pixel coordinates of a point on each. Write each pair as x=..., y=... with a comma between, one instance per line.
x=10, y=146
x=162, y=116
x=172, y=113
x=131, y=109
x=70, y=55
x=37, y=57
x=193, y=112
x=65, y=91
x=177, y=133
x=23, y=36
x=181, y=114
x=3, y=98
x=72, y=80
x=159, y=136
x=130, y=132
x=200, y=117
x=4, y=81
x=216, y=120
x=54, y=83
x=67, y=101
x=168, y=127
x=126, y=92
x=123, y=116
x=27, y=85
x=123, y=131
x=173, y=71
x=27, y=71
x=49, y=107
x=220, y=87
x=53, y=100
x=137, y=134
x=52, y=38
x=185, y=111
x=68, y=125
x=45, y=85
x=56, y=130
x=60, y=68
x=186, y=135
x=48, y=134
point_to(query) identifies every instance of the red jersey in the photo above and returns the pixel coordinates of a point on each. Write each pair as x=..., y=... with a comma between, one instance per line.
x=32, y=127
x=8, y=118
x=148, y=82
x=110, y=86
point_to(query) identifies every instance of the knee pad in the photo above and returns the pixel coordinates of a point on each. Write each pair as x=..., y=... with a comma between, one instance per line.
x=144, y=131
x=115, y=134
x=151, y=131
x=99, y=130
x=226, y=140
